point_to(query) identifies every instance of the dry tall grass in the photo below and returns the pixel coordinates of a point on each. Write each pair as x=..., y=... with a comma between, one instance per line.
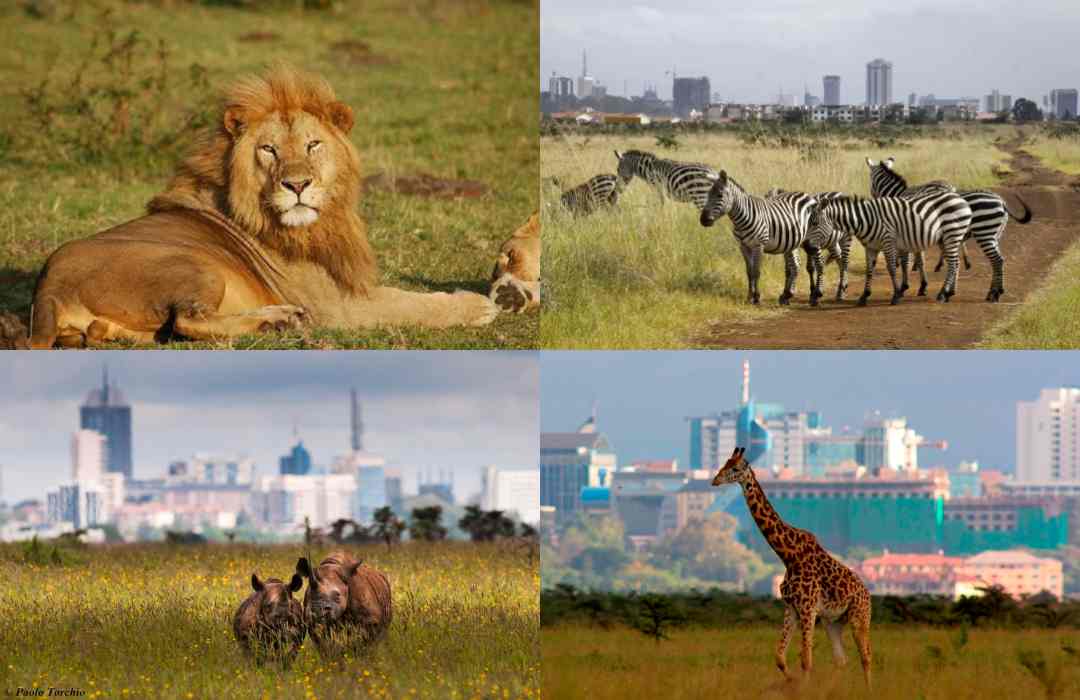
x=909, y=664
x=646, y=275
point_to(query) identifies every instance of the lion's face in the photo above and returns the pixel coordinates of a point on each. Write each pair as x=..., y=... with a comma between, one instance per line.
x=292, y=160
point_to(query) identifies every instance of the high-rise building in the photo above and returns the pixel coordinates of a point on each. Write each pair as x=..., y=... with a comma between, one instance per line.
x=356, y=422
x=888, y=443
x=996, y=102
x=370, y=492
x=394, y=495
x=88, y=455
x=1048, y=437
x=912, y=100
x=285, y=501
x=690, y=94
x=560, y=87
x=832, y=90
x=1063, y=103
x=879, y=82
x=513, y=491
x=298, y=461
x=772, y=436
x=571, y=462
x=106, y=412
x=585, y=82
x=211, y=470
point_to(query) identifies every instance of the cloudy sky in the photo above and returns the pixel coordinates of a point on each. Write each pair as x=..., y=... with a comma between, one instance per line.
x=422, y=410
x=966, y=397
x=752, y=50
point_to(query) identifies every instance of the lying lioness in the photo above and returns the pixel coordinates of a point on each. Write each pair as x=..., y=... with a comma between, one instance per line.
x=515, y=282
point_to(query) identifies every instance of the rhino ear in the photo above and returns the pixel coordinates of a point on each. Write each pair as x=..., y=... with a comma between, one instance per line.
x=351, y=569
x=256, y=583
x=303, y=567
x=296, y=584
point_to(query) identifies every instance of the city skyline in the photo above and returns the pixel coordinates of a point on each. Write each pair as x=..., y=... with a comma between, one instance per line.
x=840, y=39
x=474, y=409
x=644, y=398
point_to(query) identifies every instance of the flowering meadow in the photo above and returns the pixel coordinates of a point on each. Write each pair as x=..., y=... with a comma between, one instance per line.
x=155, y=620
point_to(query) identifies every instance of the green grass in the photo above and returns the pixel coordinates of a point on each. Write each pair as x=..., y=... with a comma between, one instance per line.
x=1057, y=153
x=646, y=276
x=454, y=97
x=142, y=621
x=738, y=663
x=1050, y=320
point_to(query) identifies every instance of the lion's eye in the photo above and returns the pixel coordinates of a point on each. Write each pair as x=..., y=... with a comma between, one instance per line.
x=268, y=149
x=312, y=145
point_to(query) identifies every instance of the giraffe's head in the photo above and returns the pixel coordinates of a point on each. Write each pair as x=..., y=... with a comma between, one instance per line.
x=735, y=470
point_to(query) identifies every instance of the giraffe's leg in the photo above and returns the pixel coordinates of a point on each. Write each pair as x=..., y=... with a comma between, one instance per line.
x=785, y=638
x=835, y=629
x=860, y=628
x=807, y=618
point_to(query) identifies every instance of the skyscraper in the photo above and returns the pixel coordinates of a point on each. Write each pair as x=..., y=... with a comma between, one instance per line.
x=357, y=423
x=1048, y=437
x=1063, y=103
x=106, y=412
x=691, y=94
x=298, y=461
x=832, y=89
x=879, y=82
x=88, y=455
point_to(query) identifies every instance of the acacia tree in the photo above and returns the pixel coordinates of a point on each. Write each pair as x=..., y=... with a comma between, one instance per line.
x=426, y=524
x=388, y=527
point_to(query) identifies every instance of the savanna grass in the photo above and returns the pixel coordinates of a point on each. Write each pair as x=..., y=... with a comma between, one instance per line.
x=909, y=663
x=646, y=275
x=437, y=87
x=156, y=621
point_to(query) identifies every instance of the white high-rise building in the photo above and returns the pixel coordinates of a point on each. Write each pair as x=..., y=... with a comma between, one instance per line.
x=1048, y=437
x=285, y=500
x=88, y=455
x=513, y=491
x=879, y=82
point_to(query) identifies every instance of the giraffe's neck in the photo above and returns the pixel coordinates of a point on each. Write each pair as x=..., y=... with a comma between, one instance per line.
x=783, y=538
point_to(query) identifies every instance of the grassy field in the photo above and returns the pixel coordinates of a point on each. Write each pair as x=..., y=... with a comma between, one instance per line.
x=1049, y=320
x=909, y=664
x=144, y=621
x=438, y=87
x=645, y=276
x=1058, y=153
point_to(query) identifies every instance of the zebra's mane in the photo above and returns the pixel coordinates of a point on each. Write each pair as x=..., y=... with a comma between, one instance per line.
x=896, y=177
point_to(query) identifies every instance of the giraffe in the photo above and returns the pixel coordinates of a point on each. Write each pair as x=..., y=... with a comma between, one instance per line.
x=815, y=585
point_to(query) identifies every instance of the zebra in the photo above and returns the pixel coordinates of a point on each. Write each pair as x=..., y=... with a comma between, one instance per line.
x=896, y=225
x=776, y=226
x=989, y=216
x=597, y=191
x=838, y=246
x=683, y=182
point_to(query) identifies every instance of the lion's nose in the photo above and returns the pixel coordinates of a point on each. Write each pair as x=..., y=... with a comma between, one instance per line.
x=296, y=185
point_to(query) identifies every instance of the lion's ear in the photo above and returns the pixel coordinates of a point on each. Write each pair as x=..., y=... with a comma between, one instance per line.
x=341, y=115
x=234, y=121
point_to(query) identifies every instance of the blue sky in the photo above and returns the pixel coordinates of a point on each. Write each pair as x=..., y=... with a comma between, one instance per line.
x=751, y=50
x=966, y=397
x=423, y=410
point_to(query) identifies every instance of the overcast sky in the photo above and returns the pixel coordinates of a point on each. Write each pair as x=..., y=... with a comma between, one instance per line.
x=751, y=50
x=966, y=397
x=422, y=410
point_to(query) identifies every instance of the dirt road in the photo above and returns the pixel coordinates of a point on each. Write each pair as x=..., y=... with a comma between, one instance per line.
x=922, y=322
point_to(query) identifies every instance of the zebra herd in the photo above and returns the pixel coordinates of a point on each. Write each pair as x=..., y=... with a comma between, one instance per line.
x=897, y=220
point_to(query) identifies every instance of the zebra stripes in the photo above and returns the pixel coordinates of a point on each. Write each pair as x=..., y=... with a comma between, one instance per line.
x=683, y=182
x=896, y=225
x=989, y=217
x=774, y=225
x=597, y=191
x=838, y=246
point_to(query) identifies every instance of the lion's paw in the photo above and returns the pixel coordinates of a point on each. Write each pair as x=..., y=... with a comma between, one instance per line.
x=280, y=318
x=476, y=309
x=510, y=294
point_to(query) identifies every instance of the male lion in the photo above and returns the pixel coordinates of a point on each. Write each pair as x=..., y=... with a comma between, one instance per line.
x=257, y=231
x=515, y=281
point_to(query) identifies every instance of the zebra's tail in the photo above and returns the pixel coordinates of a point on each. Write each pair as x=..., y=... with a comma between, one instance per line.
x=1027, y=212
